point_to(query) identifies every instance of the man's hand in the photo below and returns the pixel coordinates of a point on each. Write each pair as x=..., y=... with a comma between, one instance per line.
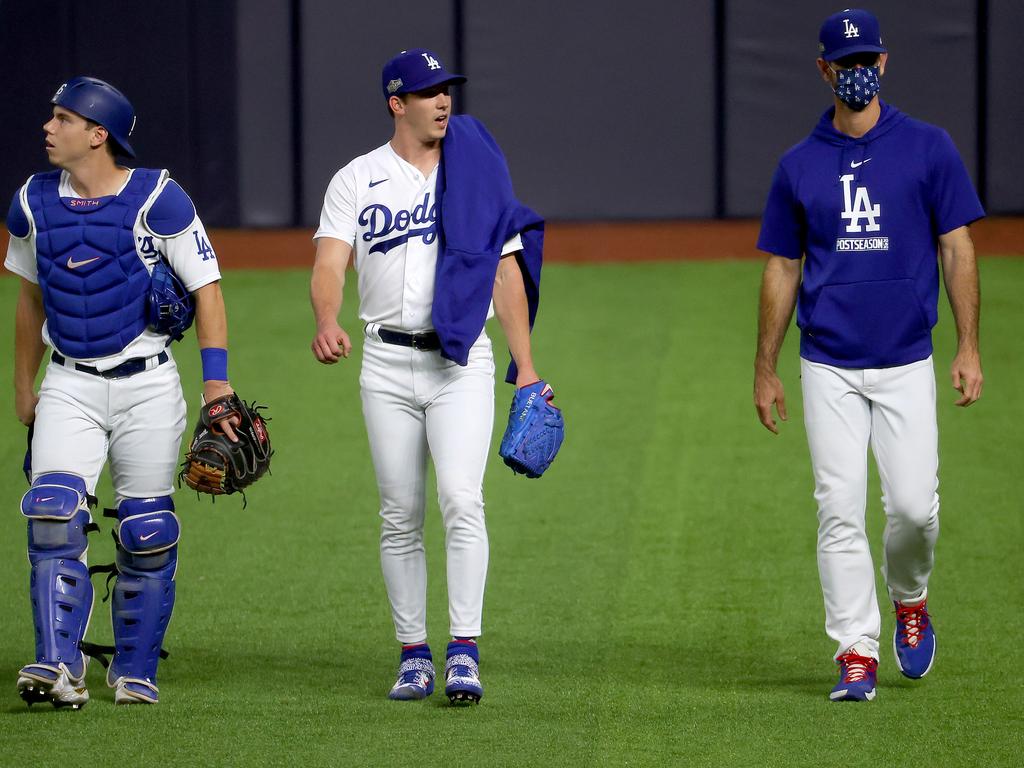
x=967, y=377
x=768, y=391
x=526, y=376
x=331, y=343
x=211, y=391
x=25, y=406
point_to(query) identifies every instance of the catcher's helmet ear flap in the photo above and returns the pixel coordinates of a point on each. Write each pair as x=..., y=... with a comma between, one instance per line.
x=102, y=103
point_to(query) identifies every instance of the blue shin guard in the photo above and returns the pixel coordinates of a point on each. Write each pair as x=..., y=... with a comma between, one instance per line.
x=57, y=508
x=147, y=556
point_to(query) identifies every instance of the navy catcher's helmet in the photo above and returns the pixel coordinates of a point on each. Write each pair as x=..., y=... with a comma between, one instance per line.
x=102, y=103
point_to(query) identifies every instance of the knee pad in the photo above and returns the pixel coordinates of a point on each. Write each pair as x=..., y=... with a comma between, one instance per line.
x=57, y=508
x=143, y=598
x=147, y=538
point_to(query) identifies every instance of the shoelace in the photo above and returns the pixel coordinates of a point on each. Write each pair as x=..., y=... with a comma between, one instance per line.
x=857, y=668
x=413, y=677
x=914, y=620
x=461, y=665
x=408, y=668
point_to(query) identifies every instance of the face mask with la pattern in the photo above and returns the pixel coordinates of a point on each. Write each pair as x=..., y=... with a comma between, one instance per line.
x=858, y=86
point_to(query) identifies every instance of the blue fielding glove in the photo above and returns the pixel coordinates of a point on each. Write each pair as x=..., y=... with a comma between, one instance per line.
x=535, y=430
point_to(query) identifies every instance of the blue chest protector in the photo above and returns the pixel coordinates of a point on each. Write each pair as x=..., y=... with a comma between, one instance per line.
x=94, y=282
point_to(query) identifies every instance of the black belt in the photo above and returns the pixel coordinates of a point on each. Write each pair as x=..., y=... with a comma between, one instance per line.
x=427, y=341
x=125, y=369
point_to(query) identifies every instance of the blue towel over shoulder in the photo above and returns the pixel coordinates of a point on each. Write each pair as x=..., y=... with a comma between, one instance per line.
x=478, y=213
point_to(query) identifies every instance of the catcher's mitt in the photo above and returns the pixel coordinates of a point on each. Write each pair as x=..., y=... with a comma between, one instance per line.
x=535, y=430
x=214, y=464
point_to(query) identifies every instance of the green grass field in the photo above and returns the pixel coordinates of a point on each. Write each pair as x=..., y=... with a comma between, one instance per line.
x=652, y=601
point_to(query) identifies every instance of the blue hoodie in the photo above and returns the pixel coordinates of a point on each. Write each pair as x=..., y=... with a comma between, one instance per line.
x=478, y=214
x=866, y=215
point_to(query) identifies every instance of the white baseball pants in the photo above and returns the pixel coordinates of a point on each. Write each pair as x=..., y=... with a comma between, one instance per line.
x=417, y=404
x=138, y=421
x=892, y=410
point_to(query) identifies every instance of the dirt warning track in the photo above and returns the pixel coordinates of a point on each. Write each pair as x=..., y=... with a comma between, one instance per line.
x=585, y=242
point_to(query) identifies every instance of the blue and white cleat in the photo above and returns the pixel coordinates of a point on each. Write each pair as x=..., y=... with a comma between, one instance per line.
x=415, y=679
x=857, y=678
x=913, y=642
x=135, y=690
x=54, y=683
x=462, y=673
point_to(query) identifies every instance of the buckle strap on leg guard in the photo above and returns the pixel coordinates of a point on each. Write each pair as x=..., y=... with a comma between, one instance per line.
x=108, y=568
x=101, y=652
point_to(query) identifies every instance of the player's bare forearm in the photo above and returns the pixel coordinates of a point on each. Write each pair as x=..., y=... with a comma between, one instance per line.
x=780, y=283
x=513, y=311
x=28, y=349
x=212, y=332
x=326, y=289
x=211, y=317
x=960, y=274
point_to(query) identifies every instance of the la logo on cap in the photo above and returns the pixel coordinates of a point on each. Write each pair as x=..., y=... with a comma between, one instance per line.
x=851, y=29
x=432, y=63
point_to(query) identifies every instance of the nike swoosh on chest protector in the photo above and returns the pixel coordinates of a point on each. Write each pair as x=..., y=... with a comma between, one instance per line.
x=72, y=264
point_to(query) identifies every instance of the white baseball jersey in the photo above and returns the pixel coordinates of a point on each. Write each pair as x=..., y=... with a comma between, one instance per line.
x=386, y=210
x=415, y=402
x=190, y=255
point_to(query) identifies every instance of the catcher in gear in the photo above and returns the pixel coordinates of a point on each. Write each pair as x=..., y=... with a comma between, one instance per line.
x=114, y=263
x=218, y=462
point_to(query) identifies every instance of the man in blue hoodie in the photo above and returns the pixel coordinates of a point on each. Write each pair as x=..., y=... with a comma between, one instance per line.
x=866, y=201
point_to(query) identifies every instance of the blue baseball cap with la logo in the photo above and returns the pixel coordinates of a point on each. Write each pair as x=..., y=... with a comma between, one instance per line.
x=415, y=70
x=849, y=31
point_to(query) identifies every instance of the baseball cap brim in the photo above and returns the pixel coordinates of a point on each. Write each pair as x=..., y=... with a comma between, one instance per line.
x=850, y=49
x=437, y=78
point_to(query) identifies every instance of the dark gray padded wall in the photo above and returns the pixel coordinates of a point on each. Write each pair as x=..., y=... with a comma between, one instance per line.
x=175, y=61
x=1005, y=108
x=604, y=109
x=932, y=71
x=25, y=30
x=773, y=91
x=344, y=46
x=265, y=163
x=770, y=108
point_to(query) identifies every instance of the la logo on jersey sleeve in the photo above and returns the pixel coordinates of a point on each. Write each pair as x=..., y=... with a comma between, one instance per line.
x=203, y=247
x=860, y=216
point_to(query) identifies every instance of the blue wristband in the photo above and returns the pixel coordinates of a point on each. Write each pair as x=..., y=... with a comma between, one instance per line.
x=215, y=364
